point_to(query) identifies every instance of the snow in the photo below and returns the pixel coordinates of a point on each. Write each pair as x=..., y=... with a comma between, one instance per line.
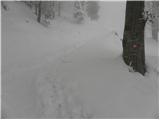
x=67, y=70
x=100, y=82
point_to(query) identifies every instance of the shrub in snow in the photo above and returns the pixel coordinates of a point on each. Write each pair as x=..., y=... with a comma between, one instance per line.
x=80, y=11
x=4, y=6
x=92, y=10
x=79, y=17
x=43, y=9
x=48, y=9
x=151, y=15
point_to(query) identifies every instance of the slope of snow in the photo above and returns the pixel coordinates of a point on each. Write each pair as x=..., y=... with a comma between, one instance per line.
x=72, y=71
x=93, y=82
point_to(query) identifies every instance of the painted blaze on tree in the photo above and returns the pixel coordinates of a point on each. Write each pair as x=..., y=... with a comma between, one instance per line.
x=133, y=38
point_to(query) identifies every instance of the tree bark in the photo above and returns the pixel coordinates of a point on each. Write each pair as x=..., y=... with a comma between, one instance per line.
x=59, y=8
x=39, y=12
x=36, y=9
x=133, y=38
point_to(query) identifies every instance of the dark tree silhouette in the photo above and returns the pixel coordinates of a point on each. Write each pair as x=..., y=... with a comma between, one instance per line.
x=39, y=12
x=59, y=8
x=133, y=38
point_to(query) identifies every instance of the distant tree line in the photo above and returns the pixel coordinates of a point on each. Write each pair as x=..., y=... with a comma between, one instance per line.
x=82, y=9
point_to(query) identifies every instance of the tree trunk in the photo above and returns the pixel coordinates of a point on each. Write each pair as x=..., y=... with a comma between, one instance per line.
x=59, y=8
x=39, y=12
x=36, y=9
x=133, y=38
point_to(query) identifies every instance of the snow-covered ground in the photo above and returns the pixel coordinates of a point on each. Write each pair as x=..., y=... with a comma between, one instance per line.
x=73, y=71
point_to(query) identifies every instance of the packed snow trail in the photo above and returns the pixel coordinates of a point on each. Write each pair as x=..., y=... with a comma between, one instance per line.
x=27, y=46
x=93, y=82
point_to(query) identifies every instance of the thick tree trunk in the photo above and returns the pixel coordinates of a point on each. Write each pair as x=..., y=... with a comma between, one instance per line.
x=133, y=38
x=39, y=12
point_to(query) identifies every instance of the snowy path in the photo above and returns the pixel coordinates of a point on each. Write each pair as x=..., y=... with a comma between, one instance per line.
x=27, y=48
x=26, y=101
x=93, y=82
